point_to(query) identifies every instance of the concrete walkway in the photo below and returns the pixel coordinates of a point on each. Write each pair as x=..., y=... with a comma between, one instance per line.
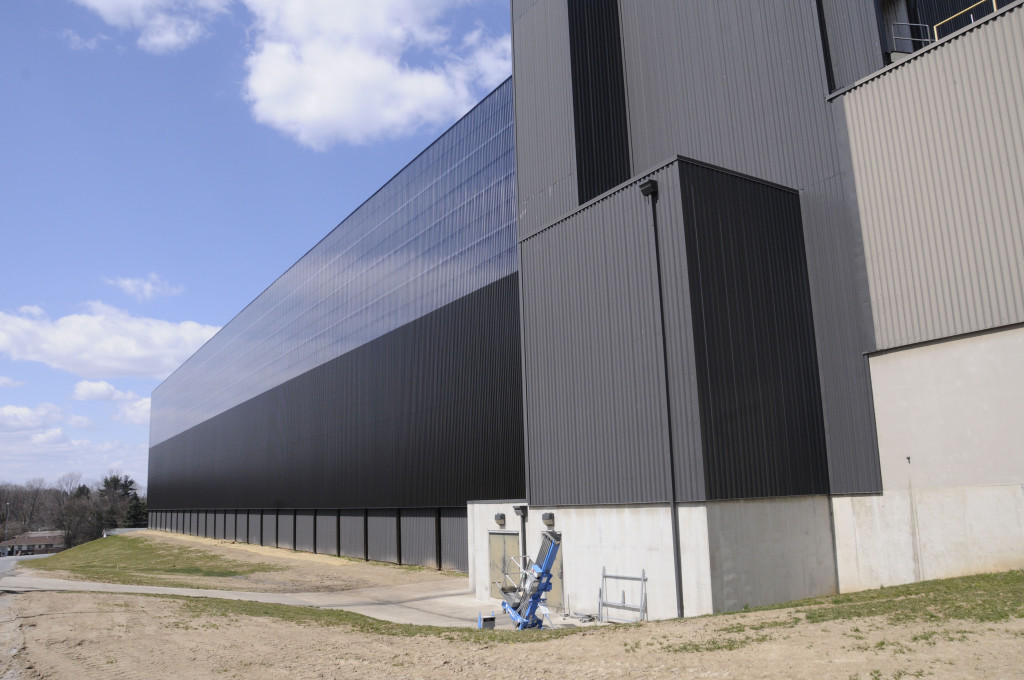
x=446, y=602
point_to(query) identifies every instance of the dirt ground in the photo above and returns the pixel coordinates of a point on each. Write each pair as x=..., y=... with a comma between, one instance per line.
x=302, y=572
x=86, y=636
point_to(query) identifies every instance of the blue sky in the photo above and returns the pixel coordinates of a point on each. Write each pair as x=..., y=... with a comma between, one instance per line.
x=163, y=161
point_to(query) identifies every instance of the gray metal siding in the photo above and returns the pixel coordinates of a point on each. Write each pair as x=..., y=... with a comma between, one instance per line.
x=179, y=522
x=230, y=525
x=327, y=532
x=270, y=528
x=854, y=39
x=286, y=529
x=454, y=539
x=305, y=530
x=545, y=137
x=594, y=385
x=255, y=526
x=938, y=157
x=419, y=537
x=382, y=535
x=353, y=533
x=242, y=526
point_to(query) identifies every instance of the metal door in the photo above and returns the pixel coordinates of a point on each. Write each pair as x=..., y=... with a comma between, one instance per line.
x=501, y=546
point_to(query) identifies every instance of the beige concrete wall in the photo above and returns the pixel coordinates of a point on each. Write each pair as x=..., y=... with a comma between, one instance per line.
x=950, y=421
x=480, y=522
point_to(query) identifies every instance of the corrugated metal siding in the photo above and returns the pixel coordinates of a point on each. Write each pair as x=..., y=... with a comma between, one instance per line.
x=270, y=528
x=327, y=532
x=854, y=38
x=938, y=157
x=305, y=530
x=353, y=533
x=422, y=416
x=255, y=527
x=242, y=526
x=286, y=529
x=419, y=537
x=193, y=527
x=382, y=535
x=230, y=525
x=599, y=97
x=595, y=398
x=454, y=539
x=545, y=140
x=179, y=522
x=760, y=402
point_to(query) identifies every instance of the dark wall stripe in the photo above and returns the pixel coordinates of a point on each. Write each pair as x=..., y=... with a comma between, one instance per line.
x=429, y=415
x=598, y=96
x=753, y=333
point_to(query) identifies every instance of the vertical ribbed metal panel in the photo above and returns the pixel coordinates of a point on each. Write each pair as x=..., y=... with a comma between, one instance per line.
x=854, y=38
x=757, y=372
x=593, y=361
x=327, y=532
x=545, y=139
x=270, y=528
x=218, y=526
x=454, y=539
x=255, y=526
x=203, y=530
x=286, y=529
x=599, y=97
x=353, y=533
x=305, y=530
x=193, y=527
x=382, y=535
x=935, y=11
x=938, y=157
x=242, y=526
x=179, y=522
x=230, y=525
x=419, y=537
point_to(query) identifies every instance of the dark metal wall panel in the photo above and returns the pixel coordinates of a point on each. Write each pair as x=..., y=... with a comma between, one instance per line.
x=442, y=228
x=270, y=528
x=419, y=537
x=179, y=522
x=422, y=416
x=230, y=525
x=454, y=539
x=193, y=527
x=305, y=530
x=352, y=526
x=599, y=97
x=854, y=38
x=382, y=535
x=753, y=334
x=255, y=527
x=545, y=140
x=218, y=526
x=939, y=185
x=203, y=529
x=242, y=526
x=327, y=532
x=593, y=358
x=286, y=529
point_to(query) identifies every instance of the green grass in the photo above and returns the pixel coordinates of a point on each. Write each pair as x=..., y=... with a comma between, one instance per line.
x=139, y=561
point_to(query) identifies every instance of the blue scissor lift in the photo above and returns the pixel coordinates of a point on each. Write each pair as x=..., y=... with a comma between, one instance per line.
x=525, y=599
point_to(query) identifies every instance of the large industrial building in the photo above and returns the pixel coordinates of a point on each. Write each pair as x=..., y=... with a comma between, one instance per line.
x=730, y=294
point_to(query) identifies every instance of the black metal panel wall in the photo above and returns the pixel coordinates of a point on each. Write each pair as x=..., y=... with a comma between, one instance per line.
x=419, y=537
x=230, y=525
x=218, y=524
x=352, y=526
x=753, y=333
x=242, y=526
x=270, y=528
x=305, y=530
x=382, y=535
x=599, y=97
x=454, y=539
x=179, y=522
x=423, y=416
x=202, y=531
x=255, y=527
x=286, y=529
x=193, y=527
x=327, y=532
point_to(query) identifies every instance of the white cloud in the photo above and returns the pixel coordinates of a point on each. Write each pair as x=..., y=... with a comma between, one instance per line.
x=163, y=25
x=9, y=382
x=81, y=422
x=326, y=71
x=99, y=390
x=24, y=418
x=134, y=412
x=145, y=289
x=51, y=436
x=77, y=42
x=48, y=452
x=102, y=342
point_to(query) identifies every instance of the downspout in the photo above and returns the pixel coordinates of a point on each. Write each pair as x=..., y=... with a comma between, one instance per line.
x=649, y=189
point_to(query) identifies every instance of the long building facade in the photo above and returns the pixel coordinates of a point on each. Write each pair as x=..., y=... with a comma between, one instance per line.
x=740, y=306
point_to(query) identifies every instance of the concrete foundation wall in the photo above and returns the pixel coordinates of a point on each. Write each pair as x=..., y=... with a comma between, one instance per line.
x=480, y=521
x=695, y=560
x=770, y=550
